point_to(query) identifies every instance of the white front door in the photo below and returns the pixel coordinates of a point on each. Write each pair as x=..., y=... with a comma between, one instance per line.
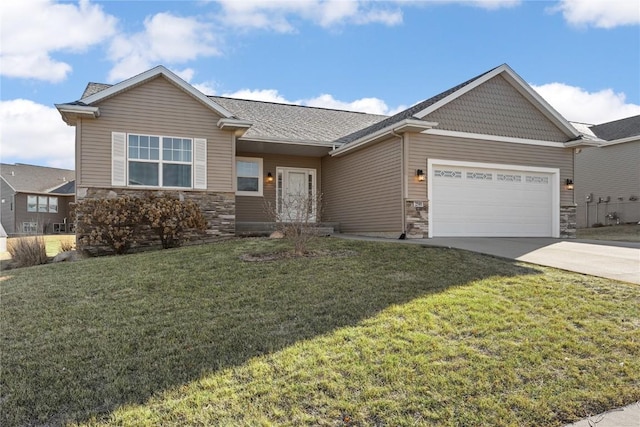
x=296, y=194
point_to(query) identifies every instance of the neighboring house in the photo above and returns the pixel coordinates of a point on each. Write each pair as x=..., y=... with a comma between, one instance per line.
x=35, y=199
x=607, y=178
x=488, y=157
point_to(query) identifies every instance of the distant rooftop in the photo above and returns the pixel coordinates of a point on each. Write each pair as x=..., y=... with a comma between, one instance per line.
x=37, y=179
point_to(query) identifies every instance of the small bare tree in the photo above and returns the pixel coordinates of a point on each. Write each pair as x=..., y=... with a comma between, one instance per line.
x=297, y=217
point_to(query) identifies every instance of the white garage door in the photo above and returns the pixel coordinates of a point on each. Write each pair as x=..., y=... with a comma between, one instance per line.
x=476, y=201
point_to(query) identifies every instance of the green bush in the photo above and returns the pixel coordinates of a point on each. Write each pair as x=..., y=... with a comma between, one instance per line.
x=27, y=251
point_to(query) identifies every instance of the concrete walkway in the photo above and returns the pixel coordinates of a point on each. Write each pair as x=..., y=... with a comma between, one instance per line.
x=611, y=260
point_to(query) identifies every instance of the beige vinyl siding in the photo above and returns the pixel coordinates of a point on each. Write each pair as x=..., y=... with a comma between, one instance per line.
x=156, y=107
x=496, y=108
x=612, y=172
x=252, y=208
x=363, y=190
x=422, y=147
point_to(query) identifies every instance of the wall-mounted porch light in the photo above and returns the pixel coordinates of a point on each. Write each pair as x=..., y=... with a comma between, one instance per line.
x=420, y=175
x=269, y=177
x=569, y=183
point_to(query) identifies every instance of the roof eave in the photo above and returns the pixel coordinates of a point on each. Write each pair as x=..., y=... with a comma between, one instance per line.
x=71, y=112
x=634, y=138
x=233, y=124
x=407, y=125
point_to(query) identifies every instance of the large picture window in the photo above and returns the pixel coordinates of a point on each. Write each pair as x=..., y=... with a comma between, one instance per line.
x=248, y=176
x=160, y=161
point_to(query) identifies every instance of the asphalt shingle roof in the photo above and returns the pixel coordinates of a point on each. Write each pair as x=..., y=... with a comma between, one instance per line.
x=37, y=179
x=406, y=114
x=310, y=124
x=618, y=129
x=296, y=122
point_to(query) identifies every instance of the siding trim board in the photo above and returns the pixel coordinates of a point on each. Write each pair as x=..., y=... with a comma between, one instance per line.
x=483, y=137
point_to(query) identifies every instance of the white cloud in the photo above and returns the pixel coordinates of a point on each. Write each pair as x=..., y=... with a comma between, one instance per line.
x=579, y=105
x=600, y=13
x=166, y=38
x=267, y=95
x=34, y=133
x=32, y=32
x=276, y=15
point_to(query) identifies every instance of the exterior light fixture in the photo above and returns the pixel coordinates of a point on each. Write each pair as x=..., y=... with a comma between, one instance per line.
x=569, y=184
x=420, y=175
x=269, y=177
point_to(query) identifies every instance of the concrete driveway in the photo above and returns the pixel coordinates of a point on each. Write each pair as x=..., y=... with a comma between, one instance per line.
x=612, y=260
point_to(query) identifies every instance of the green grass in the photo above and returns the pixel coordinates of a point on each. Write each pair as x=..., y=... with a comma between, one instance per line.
x=380, y=334
x=627, y=232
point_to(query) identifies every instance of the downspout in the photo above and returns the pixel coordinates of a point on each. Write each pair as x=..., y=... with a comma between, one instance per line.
x=403, y=209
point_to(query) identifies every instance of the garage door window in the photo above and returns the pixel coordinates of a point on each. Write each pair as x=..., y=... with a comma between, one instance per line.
x=447, y=173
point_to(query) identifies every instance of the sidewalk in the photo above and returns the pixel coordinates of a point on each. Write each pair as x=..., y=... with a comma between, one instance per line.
x=627, y=416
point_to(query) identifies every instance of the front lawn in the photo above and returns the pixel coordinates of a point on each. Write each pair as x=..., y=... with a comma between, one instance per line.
x=367, y=334
x=625, y=232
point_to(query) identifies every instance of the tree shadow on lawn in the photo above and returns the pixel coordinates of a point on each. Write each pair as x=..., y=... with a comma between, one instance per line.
x=85, y=338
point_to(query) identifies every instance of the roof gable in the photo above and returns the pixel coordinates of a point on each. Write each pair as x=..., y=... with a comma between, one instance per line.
x=519, y=85
x=103, y=92
x=499, y=109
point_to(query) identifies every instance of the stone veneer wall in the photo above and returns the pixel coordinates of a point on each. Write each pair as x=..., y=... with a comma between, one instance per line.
x=568, y=222
x=217, y=208
x=417, y=220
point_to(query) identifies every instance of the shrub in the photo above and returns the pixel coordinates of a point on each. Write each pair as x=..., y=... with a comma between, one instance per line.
x=297, y=218
x=67, y=245
x=27, y=251
x=170, y=218
x=114, y=222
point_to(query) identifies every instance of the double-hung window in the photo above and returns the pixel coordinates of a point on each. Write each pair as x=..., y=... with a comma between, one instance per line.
x=42, y=204
x=248, y=176
x=159, y=161
x=32, y=203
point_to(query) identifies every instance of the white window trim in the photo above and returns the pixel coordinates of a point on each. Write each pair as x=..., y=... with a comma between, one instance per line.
x=120, y=162
x=35, y=209
x=257, y=160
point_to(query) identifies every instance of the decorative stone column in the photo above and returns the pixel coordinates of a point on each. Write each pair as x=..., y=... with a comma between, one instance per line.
x=417, y=219
x=568, y=222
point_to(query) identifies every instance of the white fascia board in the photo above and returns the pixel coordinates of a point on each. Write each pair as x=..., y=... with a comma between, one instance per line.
x=287, y=141
x=456, y=134
x=237, y=125
x=78, y=109
x=149, y=74
x=584, y=143
x=407, y=125
x=71, y=112
x=604, y=144
x=520, y=85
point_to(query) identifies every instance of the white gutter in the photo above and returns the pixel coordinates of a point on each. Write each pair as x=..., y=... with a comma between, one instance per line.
x=406, y=125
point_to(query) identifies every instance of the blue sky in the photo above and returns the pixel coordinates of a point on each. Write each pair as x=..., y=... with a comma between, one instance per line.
x=582, y=56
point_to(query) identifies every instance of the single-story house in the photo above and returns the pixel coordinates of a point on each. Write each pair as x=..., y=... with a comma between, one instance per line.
x=607, y=177
x=35, y=199
x=488, y=157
